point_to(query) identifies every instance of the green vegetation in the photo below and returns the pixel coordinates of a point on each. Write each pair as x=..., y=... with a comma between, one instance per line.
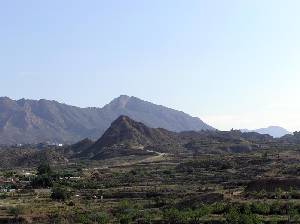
x=60, y=194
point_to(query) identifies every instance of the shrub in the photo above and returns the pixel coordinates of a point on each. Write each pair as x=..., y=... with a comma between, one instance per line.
x=44, y=181
x=100, y=218
x=60, y=194
x=218, y=208
x=127, y=212
x=44, y=169
x=261, y=208
x=234, y=216
x=125, y=219
x=276, y=208
x=195, y=215
x=82, y=218
x=16, y=211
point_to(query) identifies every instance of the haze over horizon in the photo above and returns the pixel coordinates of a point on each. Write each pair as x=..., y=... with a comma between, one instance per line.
x=233, y=64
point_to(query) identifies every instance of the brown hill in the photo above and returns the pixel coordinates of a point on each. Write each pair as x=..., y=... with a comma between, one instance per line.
x=126, y=136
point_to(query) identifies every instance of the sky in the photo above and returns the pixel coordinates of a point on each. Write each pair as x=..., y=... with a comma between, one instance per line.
x=234, y=63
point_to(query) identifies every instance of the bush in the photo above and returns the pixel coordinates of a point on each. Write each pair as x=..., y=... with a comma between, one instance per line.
x=127, y=212
x=71, y=204
x=261, y=208
x=43, y=181
x=146, y=217
x=60, y=194
x=276, y=208
x=44, y=177
x=15, y=211
x=44, y=169
x=83, y=219
x=186, y=216
x=249, y=219
x=218, y=208
x=125, y=219
x=197, y=214
x=175, y=216
x=234, y=216
x=100, y=218
x=91, y=218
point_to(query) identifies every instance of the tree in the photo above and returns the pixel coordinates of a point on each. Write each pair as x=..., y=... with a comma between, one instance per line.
x=174, y=216
x=293, y=214
x=146, y=217
x=9, y=174
x=15, y=211
x=100, y=218
x=261, y=208
x=43, y=181
x=60, y=194
x=233, y=216
x=44, y=169
x=249, y=219
x=125, y=219
x=196, y=215
x=127, y=212
x=44, y=177
x=278, y=193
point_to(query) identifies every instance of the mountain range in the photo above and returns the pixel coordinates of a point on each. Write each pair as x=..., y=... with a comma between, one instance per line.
x=275, y=131
x=33, y=121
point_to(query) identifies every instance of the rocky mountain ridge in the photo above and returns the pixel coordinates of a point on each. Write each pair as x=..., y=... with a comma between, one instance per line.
x=33, y=121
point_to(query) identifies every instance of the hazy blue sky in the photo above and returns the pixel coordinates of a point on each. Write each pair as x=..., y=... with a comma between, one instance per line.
x=233, y=63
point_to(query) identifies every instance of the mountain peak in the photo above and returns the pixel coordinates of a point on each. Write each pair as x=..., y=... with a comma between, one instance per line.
x=120, y=102
x=123, y=118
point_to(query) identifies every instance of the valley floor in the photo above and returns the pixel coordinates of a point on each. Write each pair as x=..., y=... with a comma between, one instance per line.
x=257, y=187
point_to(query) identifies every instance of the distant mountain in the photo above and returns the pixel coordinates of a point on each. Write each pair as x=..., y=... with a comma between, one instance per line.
x=34, y=121
x=152, y=115
x=126, y=136
x=274, y=131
